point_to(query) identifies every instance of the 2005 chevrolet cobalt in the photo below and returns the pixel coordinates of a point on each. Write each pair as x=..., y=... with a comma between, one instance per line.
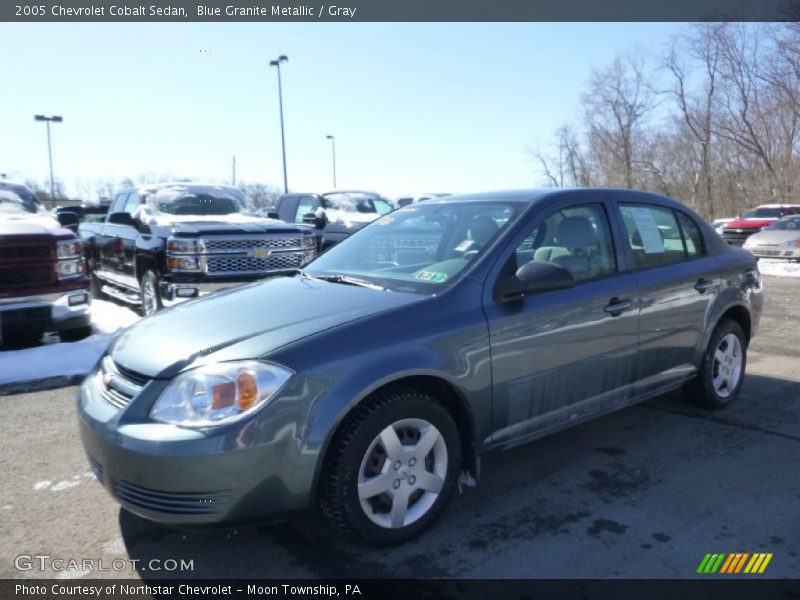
x=372, y=381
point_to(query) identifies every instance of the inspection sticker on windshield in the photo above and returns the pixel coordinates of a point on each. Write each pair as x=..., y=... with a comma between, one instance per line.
x=431, y=276
x=652, y=242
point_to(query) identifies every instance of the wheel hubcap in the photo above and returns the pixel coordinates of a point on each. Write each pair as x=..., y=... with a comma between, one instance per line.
x=727, y=371
x=402, y=473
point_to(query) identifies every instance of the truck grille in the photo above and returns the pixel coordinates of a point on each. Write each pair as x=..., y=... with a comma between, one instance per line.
x=26, y=275
x=9, y=252
x=279, y=262
x=737, y=237
x=214, y=246
x=404, y=251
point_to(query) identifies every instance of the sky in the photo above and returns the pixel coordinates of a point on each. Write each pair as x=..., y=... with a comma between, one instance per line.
x=424, y=107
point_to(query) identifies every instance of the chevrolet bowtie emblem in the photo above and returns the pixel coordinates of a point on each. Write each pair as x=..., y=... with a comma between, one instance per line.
x=258, y=253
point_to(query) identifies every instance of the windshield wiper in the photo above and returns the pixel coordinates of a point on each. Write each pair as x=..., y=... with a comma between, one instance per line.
x=350, y=281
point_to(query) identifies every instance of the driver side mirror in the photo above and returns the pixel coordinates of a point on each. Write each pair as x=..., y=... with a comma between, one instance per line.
x=68, y=220
x=123, y=218
x=533, y=277
x=317, y=222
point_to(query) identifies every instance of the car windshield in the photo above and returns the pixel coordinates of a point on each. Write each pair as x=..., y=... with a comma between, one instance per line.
x=18, y=200
x=419, y=249
x=793, y=223
x=764, y=213
x=357, y=202
x=197, y=200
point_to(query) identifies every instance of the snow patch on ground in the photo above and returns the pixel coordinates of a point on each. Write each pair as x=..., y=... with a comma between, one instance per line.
x=67, y=359
x=779, y=268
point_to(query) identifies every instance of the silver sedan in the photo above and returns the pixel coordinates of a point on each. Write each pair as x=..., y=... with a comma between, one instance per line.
x=780, y=239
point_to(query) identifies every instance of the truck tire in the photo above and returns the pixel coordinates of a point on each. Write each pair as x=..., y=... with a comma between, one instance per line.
x=151, y=297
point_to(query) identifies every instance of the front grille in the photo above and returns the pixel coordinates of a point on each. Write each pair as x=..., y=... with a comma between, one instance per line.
x=275, y=262
x=131, y=376
x=737, y=237
x=122, y=386
x=26, y=275
x=271, y=243
x=9, y=252
x=176, y=503
x=115, y=397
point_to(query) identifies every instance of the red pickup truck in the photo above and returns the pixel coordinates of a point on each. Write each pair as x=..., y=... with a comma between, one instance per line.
x=43, y=282
x=752, y=221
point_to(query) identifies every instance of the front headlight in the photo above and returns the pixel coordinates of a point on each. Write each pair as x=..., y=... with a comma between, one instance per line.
x=69, y=249
x=791, y=243
x=310, y=242
x=219, y=394
x=70, y=268
x=184, y=246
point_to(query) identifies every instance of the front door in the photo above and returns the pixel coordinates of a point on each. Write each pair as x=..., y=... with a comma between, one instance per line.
x=561, y=355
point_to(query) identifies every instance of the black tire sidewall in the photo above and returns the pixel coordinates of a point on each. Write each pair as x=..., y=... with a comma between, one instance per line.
x=415, y=407
x=709, y=396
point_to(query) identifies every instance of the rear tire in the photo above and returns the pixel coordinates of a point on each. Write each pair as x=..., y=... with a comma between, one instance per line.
x=151, y=297
x=392, y=468
x=723, y=367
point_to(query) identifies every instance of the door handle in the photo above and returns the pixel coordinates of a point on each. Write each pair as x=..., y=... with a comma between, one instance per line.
x=703, y=284
x=616, y=306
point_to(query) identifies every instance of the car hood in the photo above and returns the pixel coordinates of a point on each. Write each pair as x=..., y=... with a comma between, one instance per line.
x=244, y=323
x=30, y=224
x=748, y=223
x=770, y=237
x=233, y=224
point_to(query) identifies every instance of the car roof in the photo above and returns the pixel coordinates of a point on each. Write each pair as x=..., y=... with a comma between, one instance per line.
x=537, y=195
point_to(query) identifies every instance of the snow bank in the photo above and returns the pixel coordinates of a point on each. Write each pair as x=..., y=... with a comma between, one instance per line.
x=67, y=359
x=779, y=268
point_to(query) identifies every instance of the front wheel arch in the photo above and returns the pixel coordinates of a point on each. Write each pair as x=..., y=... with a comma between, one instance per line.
x=443, y=392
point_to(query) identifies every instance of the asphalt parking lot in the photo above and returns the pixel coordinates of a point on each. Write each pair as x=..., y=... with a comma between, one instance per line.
x=642, y=493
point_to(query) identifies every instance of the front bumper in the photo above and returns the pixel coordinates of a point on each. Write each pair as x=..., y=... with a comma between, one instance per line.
x=249, y=471
x=37, y=313
x=173, y=293
x=787, y=252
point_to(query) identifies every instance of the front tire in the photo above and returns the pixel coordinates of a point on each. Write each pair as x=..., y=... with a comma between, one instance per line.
x=722, y=371
x=151, y=298
x=392, y=468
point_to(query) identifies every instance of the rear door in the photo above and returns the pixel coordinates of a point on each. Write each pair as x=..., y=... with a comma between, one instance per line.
x=677, y=282
x=563, y=354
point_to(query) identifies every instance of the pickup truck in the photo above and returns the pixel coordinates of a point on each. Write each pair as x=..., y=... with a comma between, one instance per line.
x=43, y=281
x=736, y=231
x=336, y=215
x=165, y=243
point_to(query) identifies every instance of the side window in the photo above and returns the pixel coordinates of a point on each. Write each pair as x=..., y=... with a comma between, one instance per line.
x=306, y=204
x=691, y=235
x=577, y=238
x=382, y=207
x=405, y=201
x=653, y=234
x=119, y=203
x=132, y=203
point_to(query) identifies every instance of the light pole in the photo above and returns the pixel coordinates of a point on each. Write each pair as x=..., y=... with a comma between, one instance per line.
x=54, y=119
x=277, y=63
x=333, y=149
